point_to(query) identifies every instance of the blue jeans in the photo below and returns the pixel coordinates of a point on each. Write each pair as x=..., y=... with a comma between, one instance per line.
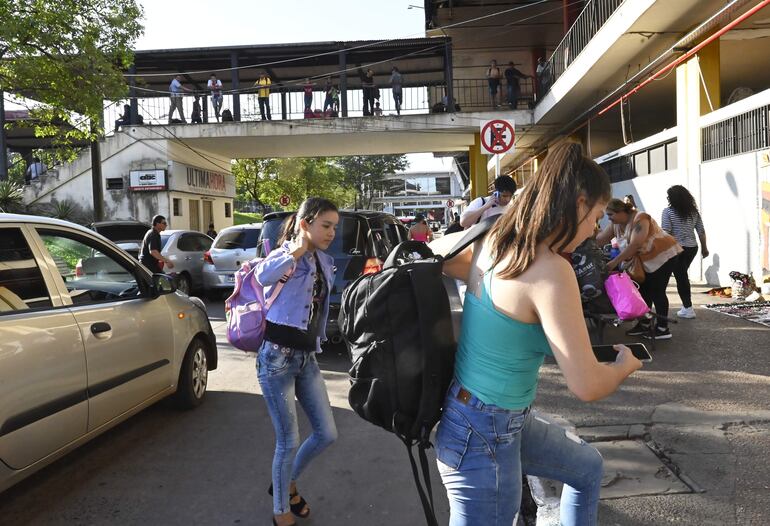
x=483, y=449
x=283, y=374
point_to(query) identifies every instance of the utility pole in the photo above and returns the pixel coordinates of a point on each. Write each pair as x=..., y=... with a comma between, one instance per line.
x=96, y=177
x=3, y=145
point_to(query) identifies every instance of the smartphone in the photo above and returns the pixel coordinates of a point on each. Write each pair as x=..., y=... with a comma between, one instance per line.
x=605, y=353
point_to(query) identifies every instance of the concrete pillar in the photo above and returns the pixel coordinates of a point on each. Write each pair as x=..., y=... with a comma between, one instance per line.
x=449, y=78
x=235, y=76
x=133, y=102
x=343, y=84
x=695, y=78
x=479, y=177
x=3, y=147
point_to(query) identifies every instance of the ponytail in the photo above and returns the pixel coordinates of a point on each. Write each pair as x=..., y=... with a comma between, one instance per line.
x=310, y=208
x=287, y=230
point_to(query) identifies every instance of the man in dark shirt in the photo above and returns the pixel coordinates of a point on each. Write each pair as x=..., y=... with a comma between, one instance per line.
x=512, y=76
x=150, y=255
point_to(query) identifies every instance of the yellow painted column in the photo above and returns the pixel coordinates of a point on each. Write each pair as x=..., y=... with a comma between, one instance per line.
x=478, y=168
x=710, y=85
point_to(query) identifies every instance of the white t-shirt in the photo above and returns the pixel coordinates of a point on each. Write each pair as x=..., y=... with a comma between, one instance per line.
x=215, y=87
x=175, y=88
x=489, y=212
x=36, y=169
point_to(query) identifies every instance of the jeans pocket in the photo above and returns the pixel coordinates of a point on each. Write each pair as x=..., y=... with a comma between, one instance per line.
x=452, y=440
x=511, y=426
x=273, y=361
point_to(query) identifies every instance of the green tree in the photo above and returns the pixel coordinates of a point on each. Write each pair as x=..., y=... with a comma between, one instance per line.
x=69, y=56
x=366, y=173
x=266, y=180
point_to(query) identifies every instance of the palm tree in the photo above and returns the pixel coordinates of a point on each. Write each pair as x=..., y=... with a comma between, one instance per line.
x=11, y=197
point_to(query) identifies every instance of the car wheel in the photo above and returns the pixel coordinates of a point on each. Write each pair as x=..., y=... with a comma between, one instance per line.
x=193, y=377
x=183, y=284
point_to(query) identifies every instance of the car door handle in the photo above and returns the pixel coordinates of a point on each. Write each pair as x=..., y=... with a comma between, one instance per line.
x=187, y=258
x=100, y=327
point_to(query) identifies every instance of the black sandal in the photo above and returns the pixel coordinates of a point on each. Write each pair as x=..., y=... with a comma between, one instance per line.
x=298, y=508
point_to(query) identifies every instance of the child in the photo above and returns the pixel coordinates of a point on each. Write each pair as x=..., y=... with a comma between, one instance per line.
x=286, y=363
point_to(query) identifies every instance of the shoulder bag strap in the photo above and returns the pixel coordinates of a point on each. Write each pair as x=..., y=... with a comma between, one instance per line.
x=279, y=286
x=475, y=232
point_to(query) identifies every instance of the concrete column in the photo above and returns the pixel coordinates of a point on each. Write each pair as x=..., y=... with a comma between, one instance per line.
x=479, y=177
x=133, y=102
x=449, y=78
x=3, y=146
x=235, y=76
x=697, y=82
x=343, y=84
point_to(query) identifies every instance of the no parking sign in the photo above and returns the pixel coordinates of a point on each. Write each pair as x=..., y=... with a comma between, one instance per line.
x=497, y=136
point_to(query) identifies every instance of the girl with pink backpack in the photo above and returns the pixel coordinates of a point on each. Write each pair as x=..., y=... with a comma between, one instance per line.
x=286, y=363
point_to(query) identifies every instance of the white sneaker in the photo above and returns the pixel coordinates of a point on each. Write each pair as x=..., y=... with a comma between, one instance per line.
x=686, y=312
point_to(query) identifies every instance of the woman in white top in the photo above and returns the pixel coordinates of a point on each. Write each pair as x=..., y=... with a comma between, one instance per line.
x=682, y=220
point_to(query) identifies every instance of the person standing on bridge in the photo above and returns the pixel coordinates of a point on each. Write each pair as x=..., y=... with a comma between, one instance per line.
x=215, y=86
x=493, y=79
x=308, y=89
x=512, y=76
x=286, y=363
x=176, y=89
x=367, y=84
x=263, y=96
x=395, y=85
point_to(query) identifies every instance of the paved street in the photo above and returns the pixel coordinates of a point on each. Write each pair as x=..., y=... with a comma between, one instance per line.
x=703, y=402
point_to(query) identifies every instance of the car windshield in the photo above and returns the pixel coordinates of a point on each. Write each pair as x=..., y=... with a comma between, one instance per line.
x=242, y=238
x=123, y=232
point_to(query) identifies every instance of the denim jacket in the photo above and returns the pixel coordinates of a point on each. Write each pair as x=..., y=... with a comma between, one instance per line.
x=293, y=304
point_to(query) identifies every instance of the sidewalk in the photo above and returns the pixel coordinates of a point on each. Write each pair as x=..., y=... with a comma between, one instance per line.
x=701, y=406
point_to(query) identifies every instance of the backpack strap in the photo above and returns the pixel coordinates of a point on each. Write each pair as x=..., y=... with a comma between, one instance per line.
x=278, y=286
x=426, y=495
x=475, y=232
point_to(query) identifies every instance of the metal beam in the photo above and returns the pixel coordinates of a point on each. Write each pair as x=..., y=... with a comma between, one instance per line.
x=235, y=76
x=3, y=146
x=343, y=84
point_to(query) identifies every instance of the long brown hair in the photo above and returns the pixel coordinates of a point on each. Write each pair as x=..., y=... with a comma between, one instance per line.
x=618, y=205
x=547, y=206
x=310, y=208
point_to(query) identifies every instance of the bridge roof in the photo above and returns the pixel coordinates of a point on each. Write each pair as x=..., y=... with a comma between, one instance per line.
x=420, y=60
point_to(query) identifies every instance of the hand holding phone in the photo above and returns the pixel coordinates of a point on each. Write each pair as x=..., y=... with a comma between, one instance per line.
x=619, y=353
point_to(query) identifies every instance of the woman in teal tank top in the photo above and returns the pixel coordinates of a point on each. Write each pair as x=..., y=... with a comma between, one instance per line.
x=523, y=303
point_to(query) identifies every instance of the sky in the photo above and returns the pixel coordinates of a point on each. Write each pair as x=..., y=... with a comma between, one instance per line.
x=198, y=23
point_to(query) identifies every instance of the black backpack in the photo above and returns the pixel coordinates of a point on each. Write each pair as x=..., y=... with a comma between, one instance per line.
x=398, y=327
x=227, y=115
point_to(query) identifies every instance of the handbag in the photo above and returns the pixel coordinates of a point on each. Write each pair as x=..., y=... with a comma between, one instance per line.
x=635, y=269
x=625, y=297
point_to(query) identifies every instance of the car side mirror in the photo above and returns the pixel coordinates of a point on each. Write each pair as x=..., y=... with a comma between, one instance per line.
x=162, y=284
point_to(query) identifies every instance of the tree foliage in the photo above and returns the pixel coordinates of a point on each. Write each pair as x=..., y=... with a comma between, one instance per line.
x=266, y=180
x=69, y=56
x=366, y=173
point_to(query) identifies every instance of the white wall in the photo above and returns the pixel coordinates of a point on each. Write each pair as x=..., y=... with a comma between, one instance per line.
x=729, y=206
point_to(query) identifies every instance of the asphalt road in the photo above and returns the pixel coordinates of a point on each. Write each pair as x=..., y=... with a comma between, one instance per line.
x=211, y=466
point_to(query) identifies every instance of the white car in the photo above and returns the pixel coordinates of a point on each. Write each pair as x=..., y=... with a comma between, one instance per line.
x=88, y=337
x=232, y=247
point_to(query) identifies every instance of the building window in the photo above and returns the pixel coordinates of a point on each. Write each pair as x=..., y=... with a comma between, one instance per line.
x=177, y=207
x=114, y=183
x=228, y=210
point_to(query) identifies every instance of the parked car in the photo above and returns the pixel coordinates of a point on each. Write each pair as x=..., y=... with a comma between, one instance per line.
x=127, y=234
x=233, y=246
x=185, y=248
x=364, y=239
x=81, y=353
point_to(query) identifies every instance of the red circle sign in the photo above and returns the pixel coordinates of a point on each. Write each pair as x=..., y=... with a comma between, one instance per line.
x=284, y=200
x=497, y=136
x=450, y=204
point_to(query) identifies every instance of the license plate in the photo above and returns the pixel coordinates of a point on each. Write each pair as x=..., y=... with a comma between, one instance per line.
x=231, y=279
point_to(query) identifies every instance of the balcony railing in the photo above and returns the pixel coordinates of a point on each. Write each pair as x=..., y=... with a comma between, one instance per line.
x=587, y=24
x=744, y=133
x=285, y=103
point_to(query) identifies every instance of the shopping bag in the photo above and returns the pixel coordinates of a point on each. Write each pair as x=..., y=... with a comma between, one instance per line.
x=625, y=297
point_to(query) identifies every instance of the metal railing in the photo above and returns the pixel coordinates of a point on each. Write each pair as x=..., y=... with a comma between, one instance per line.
x=587, y=24
x=475, y=94
x=744, y=133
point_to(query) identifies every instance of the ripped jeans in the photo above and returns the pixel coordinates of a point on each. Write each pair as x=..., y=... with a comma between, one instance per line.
x=483, y=449
x=284, y=373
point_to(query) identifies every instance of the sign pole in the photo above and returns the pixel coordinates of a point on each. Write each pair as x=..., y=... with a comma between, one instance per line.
x=497, y=165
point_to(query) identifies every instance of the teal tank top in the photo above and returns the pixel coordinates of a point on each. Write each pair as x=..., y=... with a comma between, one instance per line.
x=498, y=358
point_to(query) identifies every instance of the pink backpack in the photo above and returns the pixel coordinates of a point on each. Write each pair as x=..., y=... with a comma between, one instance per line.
x=246, y=308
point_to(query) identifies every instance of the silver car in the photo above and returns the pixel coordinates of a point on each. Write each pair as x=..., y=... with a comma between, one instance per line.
x=82, y=349
x=185, y=248
x=231, y=248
